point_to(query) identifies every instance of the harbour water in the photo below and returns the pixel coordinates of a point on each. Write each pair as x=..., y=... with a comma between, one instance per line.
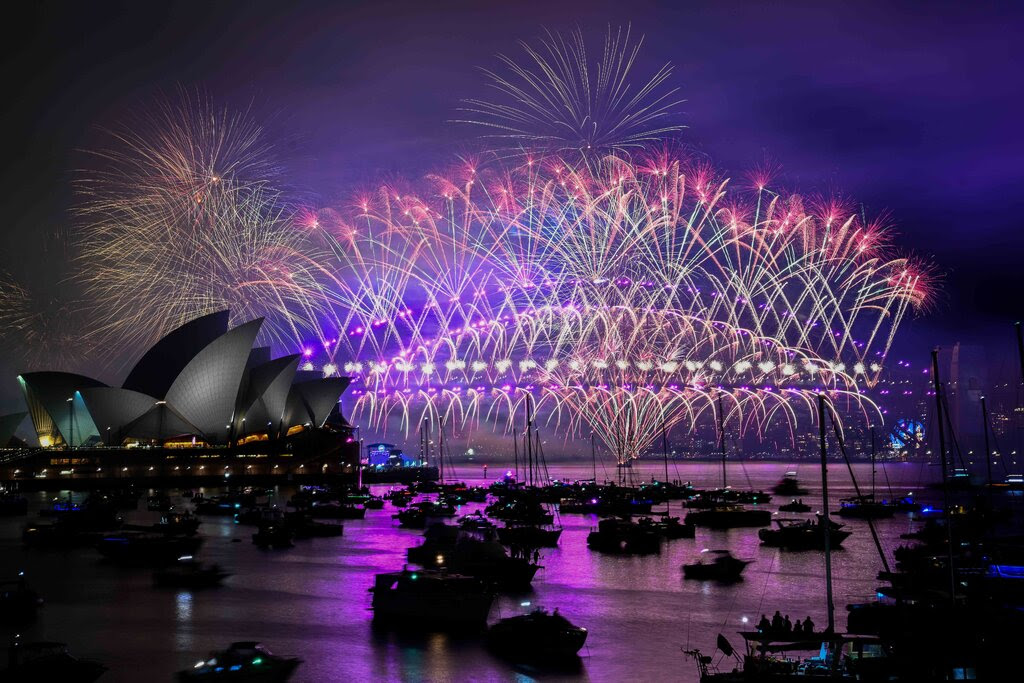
x=312, y=601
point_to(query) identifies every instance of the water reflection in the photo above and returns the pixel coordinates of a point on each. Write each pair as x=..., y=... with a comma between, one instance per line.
x=312, y=601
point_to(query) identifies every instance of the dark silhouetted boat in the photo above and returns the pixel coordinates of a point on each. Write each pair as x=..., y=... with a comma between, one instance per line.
x=789, y=486
x=620, y=537
x=188, y=572
x=529, y=535
x=865, y=507
x=539, y=636
x=668, y=527
x=729, y=517
x=722, y=567
x=246, y=662
x=795, y=506
x=18, y=602
x=803, y=534
x=430, y=600
x=273, y=535
x=144, y=548
x=12, y=505
x=448, y=547
x=47, y=661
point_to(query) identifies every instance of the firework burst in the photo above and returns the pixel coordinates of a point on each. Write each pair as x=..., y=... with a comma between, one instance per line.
x=623, y=297
x=182, y=216
x=559, y=101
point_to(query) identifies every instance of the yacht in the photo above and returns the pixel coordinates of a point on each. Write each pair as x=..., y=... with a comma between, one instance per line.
x=246, y=662
x=429, y=599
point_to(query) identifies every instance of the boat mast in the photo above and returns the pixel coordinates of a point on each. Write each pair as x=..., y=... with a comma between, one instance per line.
x=664, y=447
x=872, y=465
x=593, y=456
x=440, y=452
x=937, y=386
x=515, y=451
x=824, y=515
x=529, y=440
x=721, y=436
x=988, y=450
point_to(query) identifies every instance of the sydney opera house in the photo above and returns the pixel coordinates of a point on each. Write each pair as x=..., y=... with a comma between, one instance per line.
x=201, y=387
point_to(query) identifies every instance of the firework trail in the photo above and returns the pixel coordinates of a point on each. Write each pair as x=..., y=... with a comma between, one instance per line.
x=38, y=332
x=181, y=217
x=559, y=102
x=625, y=297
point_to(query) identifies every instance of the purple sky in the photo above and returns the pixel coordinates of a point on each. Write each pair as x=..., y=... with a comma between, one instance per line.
x=910, y=108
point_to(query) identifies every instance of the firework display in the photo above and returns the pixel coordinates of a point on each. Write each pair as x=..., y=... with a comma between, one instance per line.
x=184, y=217
x=622, y=298
x=593, y=278
x=560, y=102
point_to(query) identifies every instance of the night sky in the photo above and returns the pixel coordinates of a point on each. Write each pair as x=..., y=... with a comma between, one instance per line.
x=913, y=109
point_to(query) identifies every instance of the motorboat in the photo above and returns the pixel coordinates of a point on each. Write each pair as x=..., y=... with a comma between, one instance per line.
x=145, y=548
x=803, y=534
x=48, y=661
x=795, y=506
x=188, y=572
x=616, y=536
x=273, y=535
x=430, y=599
x=789, y=486
x=729, y=517
x=539, y=636
x=246, y=662
x=721, y=567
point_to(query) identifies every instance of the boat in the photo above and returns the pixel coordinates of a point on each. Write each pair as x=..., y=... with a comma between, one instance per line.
x=476, y=522
x=668, y=527
x=795, y=506
x=158, y=503
x=188, y=572
x=620, y=537
x=304, y=527
x=865, y=507
x=335, y=510
x=529, y=536
x=539, y=636
x=789, y=486
x=172, y=524
x=374, y=503
x=430, y=599
x=246, y=662
x=803, y=534
x=770, y=658
x=145, y=548
x=722, y=567
x=18, y=602
x=420, y=515
x=48, y=661
x=12, y=505
x=273, y=535
x=450, y=548
x=729, y=517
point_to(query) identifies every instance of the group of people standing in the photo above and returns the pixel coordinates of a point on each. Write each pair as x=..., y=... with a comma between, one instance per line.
x=782, y=624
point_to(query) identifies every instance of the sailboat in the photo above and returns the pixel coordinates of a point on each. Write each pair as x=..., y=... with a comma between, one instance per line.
x=721, y=512
x=825, y=655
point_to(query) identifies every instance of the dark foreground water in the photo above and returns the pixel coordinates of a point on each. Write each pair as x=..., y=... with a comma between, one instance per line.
x=312, y=601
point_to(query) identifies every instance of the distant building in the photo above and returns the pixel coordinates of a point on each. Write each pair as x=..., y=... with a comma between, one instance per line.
x=388, y=455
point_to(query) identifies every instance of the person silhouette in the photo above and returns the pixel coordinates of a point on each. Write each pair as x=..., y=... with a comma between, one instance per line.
x=787, y=625
x=808, y=625
x=798, y=627
x=764, y=625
